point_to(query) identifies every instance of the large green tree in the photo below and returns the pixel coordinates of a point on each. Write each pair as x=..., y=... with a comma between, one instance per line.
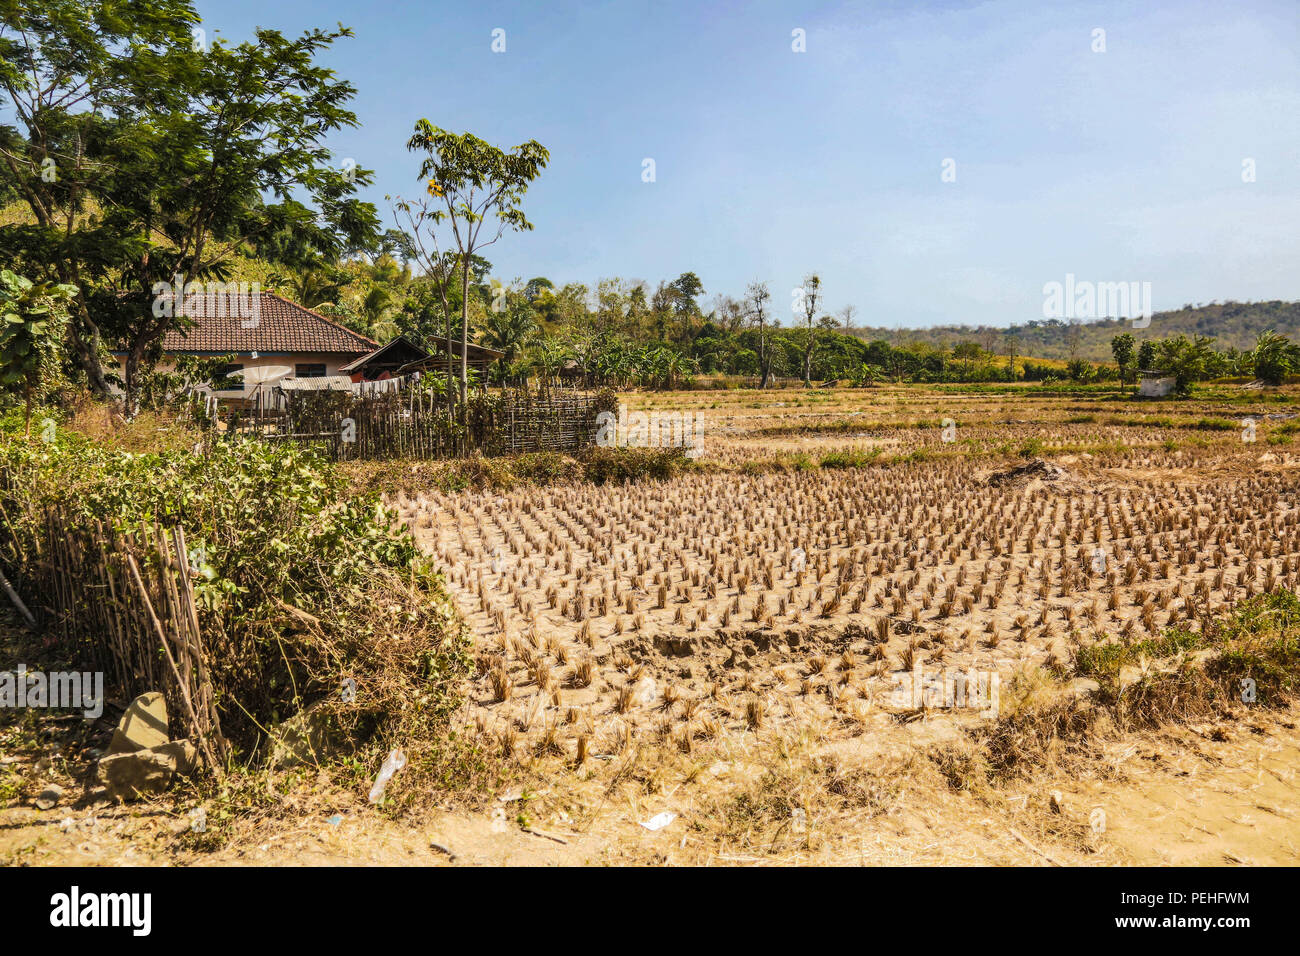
x=1275, y=357
x=1122, y=347
x=144, y=152
x=1189, y=360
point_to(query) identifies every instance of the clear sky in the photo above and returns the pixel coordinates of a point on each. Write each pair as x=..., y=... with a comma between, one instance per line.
x=1122, y=165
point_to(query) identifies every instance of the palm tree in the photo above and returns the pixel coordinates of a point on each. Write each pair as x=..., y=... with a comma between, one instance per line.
x=677, y=366
x=509, y=331
x=549, y=357
x=375, y=304
x=313, y=287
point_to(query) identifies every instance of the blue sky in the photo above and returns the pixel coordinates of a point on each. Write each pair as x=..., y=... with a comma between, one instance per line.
x=1124, y=165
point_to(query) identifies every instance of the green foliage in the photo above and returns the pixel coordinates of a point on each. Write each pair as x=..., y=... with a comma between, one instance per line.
x=270, y=530
x=1032, y=448
x=468, y=183
x=1275, y=357
x=1188, y=360
x=850, y=458
x=1258, y=640
x=32, y=320
x=1123, y=347
x=630, y=464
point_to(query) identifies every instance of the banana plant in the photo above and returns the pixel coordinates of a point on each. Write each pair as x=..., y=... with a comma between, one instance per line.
x=34, y=320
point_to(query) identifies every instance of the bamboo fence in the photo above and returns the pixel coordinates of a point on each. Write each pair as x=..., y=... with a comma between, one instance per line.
x=420, y=422
x=125, y=604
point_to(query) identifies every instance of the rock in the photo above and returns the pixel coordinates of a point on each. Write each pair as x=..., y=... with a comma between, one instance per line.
x=1084, y=687
x=144, y=725
x=1038, y=468
x=150, y=770
x=643, y=692
x=1057, y=801
x=306, y=737
x=49, y=797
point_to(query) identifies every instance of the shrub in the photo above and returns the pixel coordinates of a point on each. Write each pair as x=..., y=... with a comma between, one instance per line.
x=299, y=585
x=623, y=464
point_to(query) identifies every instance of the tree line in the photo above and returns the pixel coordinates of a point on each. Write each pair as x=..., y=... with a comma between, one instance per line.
x=137, y=152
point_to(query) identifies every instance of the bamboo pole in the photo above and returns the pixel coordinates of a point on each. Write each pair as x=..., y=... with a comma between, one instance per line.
x=162, y=640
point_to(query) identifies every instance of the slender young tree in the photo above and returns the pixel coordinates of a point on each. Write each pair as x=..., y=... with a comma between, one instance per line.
x=757, y=297
x=477, y=184
x=812, y=289
x=422, y=218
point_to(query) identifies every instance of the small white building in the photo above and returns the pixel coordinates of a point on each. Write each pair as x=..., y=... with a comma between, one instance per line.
x=1156, y=384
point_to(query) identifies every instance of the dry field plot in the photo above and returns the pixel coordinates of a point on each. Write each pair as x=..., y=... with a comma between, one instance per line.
x=747, y=426
x=723, y=602
x=684, y=603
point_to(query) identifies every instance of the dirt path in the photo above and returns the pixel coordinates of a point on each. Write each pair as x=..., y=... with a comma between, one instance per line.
x=1233, y=803
x=1175, y=798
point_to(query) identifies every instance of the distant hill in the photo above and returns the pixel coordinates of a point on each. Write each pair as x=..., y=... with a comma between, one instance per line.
x=1232, y=324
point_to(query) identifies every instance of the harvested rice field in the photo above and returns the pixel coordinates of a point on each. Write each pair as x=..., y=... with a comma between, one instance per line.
x=990, y=585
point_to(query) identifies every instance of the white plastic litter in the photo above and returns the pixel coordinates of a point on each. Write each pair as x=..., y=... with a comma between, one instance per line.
x=660, y=820
x=394, y=762
x=643, y=691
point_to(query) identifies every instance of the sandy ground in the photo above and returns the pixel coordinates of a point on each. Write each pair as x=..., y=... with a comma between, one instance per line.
x=1181, y=798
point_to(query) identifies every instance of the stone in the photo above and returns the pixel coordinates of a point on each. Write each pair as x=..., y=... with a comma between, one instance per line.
x=1084, y=687
x=306, y=737
x=1057, y=801
x=643, y=692
x=49, y=797
x=129, y=776
x=144, y=725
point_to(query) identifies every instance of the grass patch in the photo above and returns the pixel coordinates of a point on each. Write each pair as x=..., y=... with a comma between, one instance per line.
x=1250, y=658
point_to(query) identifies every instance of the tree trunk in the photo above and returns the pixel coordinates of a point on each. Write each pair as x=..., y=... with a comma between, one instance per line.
x=464, y=338
x=451, y=374
x=87, y=353
x=131, y=382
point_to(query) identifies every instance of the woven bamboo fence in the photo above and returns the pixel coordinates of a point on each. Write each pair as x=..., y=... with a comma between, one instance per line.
x=125, y=604
x=420, y=422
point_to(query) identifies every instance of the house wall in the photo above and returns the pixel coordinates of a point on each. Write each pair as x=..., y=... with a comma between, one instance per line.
x=1157, y=387
x=331, y=361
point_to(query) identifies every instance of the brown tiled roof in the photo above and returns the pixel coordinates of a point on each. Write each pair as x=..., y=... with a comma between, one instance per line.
x=281, y=326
